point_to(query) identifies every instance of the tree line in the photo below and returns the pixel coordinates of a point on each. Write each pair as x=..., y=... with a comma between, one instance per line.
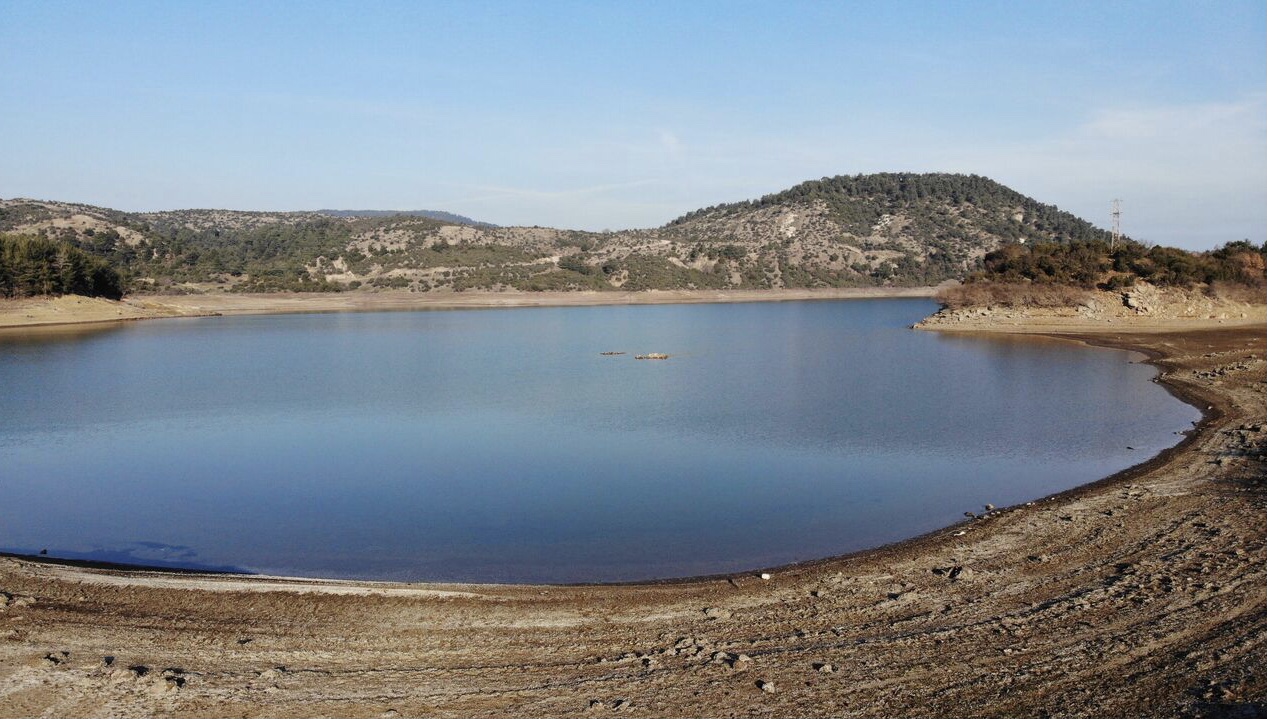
x=33, y=266
x=1095, y=263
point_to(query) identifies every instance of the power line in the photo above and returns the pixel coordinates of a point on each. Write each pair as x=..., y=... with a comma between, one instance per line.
x=1117, y=224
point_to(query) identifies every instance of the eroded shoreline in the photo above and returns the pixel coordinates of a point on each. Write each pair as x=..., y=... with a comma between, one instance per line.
x=1141, y=594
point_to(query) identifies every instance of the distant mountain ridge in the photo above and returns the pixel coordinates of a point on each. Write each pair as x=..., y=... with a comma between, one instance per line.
x=433, y=214
x=851, y=230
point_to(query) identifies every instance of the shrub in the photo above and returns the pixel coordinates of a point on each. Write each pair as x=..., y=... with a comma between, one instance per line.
x=1003, y=294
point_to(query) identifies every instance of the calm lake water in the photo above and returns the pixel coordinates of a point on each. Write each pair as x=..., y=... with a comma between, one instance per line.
x=500, y=446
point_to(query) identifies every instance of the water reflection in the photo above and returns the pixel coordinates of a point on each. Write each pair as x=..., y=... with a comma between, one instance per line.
x=143, y=554
x=500, y=445
x=45, y=334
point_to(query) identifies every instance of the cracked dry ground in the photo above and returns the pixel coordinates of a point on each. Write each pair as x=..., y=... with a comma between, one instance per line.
x=1144, y=594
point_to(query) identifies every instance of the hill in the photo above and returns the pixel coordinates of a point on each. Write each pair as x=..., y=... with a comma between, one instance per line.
x=848, y=231
x=433, y=214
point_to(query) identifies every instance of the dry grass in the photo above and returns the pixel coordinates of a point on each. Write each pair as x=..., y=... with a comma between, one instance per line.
x=1000, y=294
x=1237, y=292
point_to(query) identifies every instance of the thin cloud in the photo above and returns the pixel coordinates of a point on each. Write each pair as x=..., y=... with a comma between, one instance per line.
x=495, y=192
x=1187, y=172
x=1146, y=124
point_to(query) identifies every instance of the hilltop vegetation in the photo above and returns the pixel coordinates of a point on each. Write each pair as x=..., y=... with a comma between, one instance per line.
x=938, y=206
x=433, y=214
x=1092, y=264
x=1050, y=274
x=848, y=231
x=1029, y=274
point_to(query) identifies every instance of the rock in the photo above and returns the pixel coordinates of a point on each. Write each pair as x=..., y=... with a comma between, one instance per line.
x=1143, y=298
x=766, y=686
x=766, y=576
x=717, y=613
x=954, y=573
x=989, y=507
x=174, y=677
x=159, y=688
x=824, y=667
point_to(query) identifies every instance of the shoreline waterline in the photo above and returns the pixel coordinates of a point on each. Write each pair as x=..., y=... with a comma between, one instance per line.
x=1092, y=339
x=71, y=310
x=1004, y=614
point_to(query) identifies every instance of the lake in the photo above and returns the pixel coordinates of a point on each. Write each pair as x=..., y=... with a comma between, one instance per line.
x=502, y=446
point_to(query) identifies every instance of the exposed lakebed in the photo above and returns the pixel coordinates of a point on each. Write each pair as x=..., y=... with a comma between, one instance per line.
x=502, y=445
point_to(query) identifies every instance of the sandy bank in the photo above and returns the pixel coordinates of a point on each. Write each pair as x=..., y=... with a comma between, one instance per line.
x=1141, y=595
x=72, y=310
x=1141, y=309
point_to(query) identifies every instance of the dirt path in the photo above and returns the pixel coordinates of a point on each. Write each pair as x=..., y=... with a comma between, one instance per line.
x=1142, y=595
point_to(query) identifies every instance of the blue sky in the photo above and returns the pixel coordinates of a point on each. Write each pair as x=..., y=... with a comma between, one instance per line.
x=610, y=115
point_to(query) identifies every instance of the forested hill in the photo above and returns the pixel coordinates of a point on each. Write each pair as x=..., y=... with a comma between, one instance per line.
x=936, y=203
x=433, y=214
x=861, y=230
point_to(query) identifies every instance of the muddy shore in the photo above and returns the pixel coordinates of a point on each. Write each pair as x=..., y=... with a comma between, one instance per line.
x=1144, y=594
